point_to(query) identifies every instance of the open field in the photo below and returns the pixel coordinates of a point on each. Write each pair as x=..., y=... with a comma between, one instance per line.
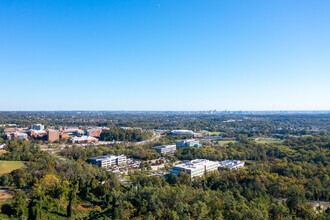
x=214, y=133
x=8, y=166
x=225, y=142
x=263, y=140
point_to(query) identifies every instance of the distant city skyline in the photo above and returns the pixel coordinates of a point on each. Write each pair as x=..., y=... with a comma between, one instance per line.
x=164, y=55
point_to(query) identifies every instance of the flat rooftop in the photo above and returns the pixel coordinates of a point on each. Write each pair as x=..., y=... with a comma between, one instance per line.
x=164, y=146
x=106, y=157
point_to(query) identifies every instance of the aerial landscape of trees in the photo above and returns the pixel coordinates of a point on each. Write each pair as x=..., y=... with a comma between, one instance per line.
x=281, y=180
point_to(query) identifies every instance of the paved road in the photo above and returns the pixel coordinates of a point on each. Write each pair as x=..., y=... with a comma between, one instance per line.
x=155, y=137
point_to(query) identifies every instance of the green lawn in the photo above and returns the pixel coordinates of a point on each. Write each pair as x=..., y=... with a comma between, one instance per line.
x=226, y=142
x=267, y=140
x=215, y=133
x=8, y=166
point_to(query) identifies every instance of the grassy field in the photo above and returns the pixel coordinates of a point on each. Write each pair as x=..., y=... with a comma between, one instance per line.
x=214, y=133
x=225, y=142
x=8, y=166
x=267, y=140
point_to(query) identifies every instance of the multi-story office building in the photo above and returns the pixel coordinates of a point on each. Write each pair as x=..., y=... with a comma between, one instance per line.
x=165, y=149
x=188, y=143
x=53, y=135
x=231, y=164
x=108, y=160
x=38, y=127
x=198, y=167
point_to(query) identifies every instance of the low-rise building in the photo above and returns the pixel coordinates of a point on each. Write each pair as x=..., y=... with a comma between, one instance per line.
x=181, y=132
x=18, y=135
x=188, y=143
x=83, y=139
x=165, y=149
x=72, y=131
x=94, y=132
x=12, y=130
x=37, y=133
x=218, y=138
x=198, y=167
x=64, y=136
x=108, y=160
x=231, y=164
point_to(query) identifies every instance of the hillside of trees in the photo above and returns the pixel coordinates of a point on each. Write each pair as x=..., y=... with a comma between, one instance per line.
x=118, y=134
x=49, y=187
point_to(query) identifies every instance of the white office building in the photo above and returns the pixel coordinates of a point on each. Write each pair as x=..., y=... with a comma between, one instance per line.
x=188, y=143
x=182, y=132
x=231, y=164
x=108, y=160
x=165, y=149
x=198, y=167
x=38, y=127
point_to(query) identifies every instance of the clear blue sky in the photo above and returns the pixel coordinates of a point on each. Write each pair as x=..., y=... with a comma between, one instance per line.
x=165, y=55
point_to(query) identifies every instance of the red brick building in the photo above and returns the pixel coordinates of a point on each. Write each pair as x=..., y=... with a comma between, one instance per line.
x=53, y=135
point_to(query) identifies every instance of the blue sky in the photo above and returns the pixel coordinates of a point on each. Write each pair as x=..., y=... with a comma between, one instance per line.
x=165, y=55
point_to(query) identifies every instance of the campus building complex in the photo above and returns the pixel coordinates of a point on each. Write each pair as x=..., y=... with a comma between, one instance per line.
x=198, y=167
x=165, y=149
x=188, y=143
x=108, y=160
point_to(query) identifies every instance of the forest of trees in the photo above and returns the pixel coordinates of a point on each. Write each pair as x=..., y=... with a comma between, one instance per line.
x=133, y=151
x=48, y=187
x=118, y=134
x=280, y=180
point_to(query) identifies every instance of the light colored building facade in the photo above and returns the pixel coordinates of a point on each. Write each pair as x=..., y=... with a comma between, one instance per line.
x=83, y=139
x=38, y=127
x=231, y=164
x=182, y=132
x=198, y=167
x=165, y=149
x=108, y=160
x=37, y=133
x=188, y=143
x=18, y=135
